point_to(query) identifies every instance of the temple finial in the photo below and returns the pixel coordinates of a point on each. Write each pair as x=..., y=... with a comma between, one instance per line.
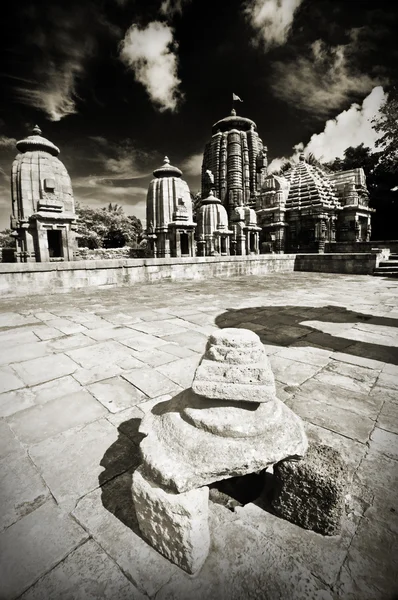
x=36, y=130
x=166, y=160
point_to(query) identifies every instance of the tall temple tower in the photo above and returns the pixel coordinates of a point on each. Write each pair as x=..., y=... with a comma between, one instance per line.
x=170, y=225
x=43, y=211
x=234, y=162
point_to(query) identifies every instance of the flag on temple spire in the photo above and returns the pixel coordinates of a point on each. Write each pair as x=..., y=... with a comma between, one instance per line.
x=236, y=98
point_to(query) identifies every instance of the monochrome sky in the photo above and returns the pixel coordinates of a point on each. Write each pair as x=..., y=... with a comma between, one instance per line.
x=119, y=84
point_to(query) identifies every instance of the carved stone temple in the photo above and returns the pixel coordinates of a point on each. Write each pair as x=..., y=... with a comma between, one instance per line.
x=170, y=225
x=43, y=212
x=243, y=209
x=229, y=423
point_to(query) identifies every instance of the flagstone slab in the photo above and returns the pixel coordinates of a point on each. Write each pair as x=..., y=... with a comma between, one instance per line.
x=151, y=382
x=142, y=341
x=45, y=332
x=378, y=471
x=119, y=535
x=191, y=339
x=307, y=355
x=22, y=490
x=111, y=332
x=159, y=328
x=87, y=572
x=8, y=442
x=98, y=373
x=244, y=564
x=102, y=354
x=388, y=417
x=154, y=357
x=292, y=372
x=116, y=394
x=366, y=376
x=181, y=371
x=21, y=352
x=66, y=326
x=42, y=421
x=128, y=422
x=370, y=570
x=17, y=336
x=40, y=370
x=9, y=380
x=358, y=402
x=334, y=379
x=178, y=351
x=13, y=319
x=322, y=555
x=384, y=442
x=352, y=359
x=70, y=342
x=330, y=417
x=32, y=546
x=388, y=380
x=77, y=461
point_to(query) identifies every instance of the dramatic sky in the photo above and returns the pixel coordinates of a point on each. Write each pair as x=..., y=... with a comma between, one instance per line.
x=117, y=84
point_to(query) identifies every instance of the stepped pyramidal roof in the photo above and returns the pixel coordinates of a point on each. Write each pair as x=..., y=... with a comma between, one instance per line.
x=310, y=186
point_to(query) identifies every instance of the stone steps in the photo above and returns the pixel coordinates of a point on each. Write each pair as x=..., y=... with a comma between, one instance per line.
x=387, y=268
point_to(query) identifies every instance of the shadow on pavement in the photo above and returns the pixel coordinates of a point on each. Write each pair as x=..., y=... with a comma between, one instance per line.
x=283, y=326
x=115, y=480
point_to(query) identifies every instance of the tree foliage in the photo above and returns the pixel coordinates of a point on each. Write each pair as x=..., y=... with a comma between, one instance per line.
x=7, y=240
x=107, y=227
x=386, y=124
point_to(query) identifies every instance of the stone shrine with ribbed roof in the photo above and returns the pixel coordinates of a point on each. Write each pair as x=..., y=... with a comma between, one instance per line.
x=43, y=211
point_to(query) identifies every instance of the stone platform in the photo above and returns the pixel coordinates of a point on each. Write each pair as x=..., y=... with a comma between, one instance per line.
x=79, y=371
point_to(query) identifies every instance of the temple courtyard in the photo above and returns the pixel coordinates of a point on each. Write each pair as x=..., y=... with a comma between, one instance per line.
x=78, y=372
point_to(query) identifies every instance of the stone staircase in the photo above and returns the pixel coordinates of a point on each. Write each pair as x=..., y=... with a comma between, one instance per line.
x=387, y=268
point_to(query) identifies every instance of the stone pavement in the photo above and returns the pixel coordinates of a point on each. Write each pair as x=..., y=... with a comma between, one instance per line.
x=79, y=370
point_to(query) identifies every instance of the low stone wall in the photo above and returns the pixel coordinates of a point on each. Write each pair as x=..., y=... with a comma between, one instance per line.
x=20, y=279
x=355, y=247
x=358, y=264
x=109, y=253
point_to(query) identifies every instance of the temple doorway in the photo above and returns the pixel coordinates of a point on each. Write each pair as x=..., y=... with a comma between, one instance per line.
x=55, y=249
x=184, y=242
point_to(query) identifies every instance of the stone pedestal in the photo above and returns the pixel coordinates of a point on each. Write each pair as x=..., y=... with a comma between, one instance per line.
x=229, y=423
x=311, y=492
x=176, y=525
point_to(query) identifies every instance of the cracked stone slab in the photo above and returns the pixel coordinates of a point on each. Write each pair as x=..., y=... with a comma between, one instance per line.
x=87, y=572
x=8, y=442
x=77, y=461
x=116, y=394
x=32, y=546
x=22, y=490
x=43, y=421
x=384, y=442
x=40, y=370
x=243, y=564
x=292, y=372
x=99, y=355
x=8, y=380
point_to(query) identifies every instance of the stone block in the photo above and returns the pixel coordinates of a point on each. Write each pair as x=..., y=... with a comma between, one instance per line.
x=311, y=492
x=174, y=524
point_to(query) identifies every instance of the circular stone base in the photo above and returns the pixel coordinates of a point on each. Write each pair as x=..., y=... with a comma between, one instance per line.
x=232, y=419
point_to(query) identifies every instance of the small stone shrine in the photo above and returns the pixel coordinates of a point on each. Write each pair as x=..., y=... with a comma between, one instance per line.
x=43, y=211
x=213, y=233
x=229, y=423
x=170, y=226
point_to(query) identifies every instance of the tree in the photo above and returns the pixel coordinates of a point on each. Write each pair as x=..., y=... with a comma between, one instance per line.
x=107, y=227
x=7, y=239
x=386, y=124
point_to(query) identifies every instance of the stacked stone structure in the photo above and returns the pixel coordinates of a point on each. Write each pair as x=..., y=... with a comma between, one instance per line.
x=43, y=212
x=170, y=225
x=212, y=234
x=229, y=423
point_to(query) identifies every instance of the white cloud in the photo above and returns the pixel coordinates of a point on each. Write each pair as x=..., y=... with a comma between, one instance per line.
x=321, y=82
x=351, y=127
x=272, y=19
x=193, y=164
x=150, y=53
x=169, y=8
x=56, y=97
x=7, y=142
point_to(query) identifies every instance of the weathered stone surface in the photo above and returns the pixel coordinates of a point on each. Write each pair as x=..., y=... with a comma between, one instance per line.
x=40, y=370
x=73, y=462
x=8, y=380
x=109, y=516
x=242, y=565
x=151, y=382
x=174, y=524
x=116, y=393
x=181, y=371
x=235, y=367
x=43, y=421
x=104, y=354
x=292, y=372
x=19, y=479
x=385, y=442
x=34, y=545
x=8, y=441
x=88, y=572
x=322, y=555
x=180, y=457
x=311, y=492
